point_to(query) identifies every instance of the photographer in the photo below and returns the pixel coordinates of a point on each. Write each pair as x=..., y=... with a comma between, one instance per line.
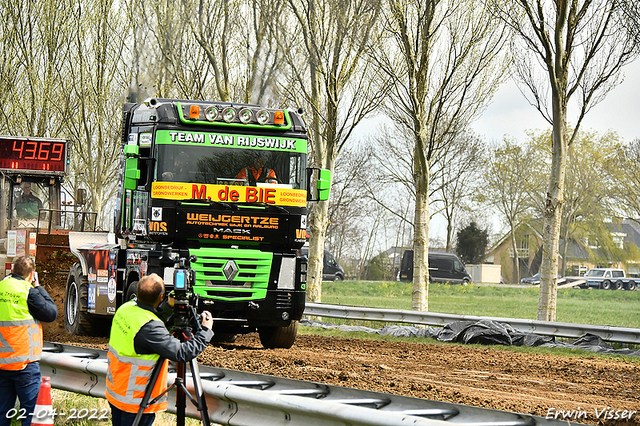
x=138, y=340
x=23, y=304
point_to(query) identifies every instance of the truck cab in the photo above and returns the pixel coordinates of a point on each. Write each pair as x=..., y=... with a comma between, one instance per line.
x=223, y=184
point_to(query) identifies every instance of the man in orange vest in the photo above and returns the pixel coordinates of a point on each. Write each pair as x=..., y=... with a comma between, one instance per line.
x=138, y=340
x=23, y=304
x=258, y=172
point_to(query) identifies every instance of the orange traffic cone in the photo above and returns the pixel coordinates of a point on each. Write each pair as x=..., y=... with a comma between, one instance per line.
x=43, y=412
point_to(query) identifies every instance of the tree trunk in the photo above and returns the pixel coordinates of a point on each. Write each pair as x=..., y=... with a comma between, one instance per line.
x=420, y=292
x=318, y=214
x=553, y=214
x=318, y=224
x=516, y=259
x=565, y=237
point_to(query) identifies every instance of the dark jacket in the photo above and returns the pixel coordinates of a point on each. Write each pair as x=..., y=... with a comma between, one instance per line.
x=154, y=338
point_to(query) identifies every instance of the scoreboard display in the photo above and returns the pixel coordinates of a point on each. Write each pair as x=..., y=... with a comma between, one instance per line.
x=33, y=154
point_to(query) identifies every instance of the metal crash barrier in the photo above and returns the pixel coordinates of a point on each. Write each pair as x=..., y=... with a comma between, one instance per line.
x=240, y=398
x=545, y=328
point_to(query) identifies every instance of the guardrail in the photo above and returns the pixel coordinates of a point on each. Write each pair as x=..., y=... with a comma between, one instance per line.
x=240, y=398
x=545, y=328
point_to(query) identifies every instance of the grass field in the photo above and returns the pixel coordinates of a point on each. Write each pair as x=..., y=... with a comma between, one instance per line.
x=598, y=307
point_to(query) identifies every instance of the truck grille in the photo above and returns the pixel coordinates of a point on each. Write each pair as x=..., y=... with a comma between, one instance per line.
x=247, y=269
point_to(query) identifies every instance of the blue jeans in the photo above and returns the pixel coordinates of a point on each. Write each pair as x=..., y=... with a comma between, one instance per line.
x=124, y=418
x=23, y=384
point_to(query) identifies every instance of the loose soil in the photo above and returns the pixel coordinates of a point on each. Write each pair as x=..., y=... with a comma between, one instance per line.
x=490, y=377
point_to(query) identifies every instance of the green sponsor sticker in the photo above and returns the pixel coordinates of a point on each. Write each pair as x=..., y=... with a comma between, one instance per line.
x=272, y=143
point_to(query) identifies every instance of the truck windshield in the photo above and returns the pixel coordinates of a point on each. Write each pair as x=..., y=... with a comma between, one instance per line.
x=595, y=273
x=217, y=165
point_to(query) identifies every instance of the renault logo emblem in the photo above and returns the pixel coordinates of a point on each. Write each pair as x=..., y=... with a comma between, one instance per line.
x=230, y=270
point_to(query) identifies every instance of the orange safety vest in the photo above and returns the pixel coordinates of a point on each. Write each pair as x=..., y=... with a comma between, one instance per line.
x=253, y=175
x=20, y=333
x=129, y=372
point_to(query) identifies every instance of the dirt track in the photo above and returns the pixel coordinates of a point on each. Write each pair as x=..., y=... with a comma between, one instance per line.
x=480, y=376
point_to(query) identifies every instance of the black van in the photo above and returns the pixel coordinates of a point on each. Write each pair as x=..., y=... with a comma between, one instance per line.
x=331, y=270
x=443, y=268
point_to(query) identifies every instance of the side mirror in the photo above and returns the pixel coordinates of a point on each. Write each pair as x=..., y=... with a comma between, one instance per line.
x=81, y=195
x=131, y=169
x=318, y=184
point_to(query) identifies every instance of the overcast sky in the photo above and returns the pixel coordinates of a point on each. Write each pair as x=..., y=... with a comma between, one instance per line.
x=511, y=114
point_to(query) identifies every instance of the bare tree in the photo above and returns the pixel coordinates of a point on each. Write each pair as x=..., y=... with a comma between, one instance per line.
x=36, y=37
x=632, y=13
x=590, y=181
x=507, y=186
x=458, y=178
x=95, y=96
x=441, y=57
x=579, y=47
x=626, y=188
x=238, y=47
x=349, y=209
x=332, y=80
x=10, y=65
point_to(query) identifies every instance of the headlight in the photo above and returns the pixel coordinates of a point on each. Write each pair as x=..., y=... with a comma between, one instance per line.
x=245, y=115
x=228, y=114
x=211, y=113
x=263, y=116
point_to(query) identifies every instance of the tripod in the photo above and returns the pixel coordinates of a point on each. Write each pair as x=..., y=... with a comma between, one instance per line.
x=181, y=328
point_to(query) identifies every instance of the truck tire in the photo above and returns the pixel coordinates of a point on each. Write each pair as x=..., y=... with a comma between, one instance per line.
x=278, y=337
x=618, y=285
x=76, y=318
x=631, y=285
x=132, y=291
x=605, y=285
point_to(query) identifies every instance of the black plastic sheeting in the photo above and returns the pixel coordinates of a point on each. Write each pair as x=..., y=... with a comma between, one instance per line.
x=483, y=332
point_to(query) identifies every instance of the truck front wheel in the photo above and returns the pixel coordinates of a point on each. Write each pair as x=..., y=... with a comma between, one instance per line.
x=76, y=318
x=132, y=291
x=278, y=337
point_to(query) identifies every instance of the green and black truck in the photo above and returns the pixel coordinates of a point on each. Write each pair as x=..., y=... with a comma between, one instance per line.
x=223, y=184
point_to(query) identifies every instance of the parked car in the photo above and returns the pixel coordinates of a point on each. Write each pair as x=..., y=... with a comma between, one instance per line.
x=609, y=279
x=443, y=267
x=534, y=280
x=331, y=270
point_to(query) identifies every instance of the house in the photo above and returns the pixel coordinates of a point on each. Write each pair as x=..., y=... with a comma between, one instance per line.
x=581, y=255
x=528, y=237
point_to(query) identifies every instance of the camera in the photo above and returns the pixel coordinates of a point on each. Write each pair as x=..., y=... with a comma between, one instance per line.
x=183, y=278
x=186, y=302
